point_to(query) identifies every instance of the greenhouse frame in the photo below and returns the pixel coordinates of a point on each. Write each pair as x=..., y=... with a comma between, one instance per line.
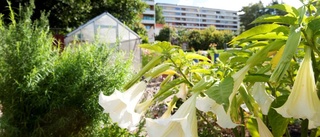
x=107, y=29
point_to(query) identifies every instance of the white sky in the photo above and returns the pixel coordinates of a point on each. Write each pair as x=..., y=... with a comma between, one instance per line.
x=235, y=5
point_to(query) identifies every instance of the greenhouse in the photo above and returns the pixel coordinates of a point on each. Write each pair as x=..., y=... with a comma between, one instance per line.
x=110, y=30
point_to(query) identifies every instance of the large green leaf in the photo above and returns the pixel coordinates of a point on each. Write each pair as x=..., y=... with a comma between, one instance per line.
x=224, y=57
x=151, y=47
x=267, y=36
x=252, y=127
x=287, y=8
x=276, y=121
x=277, y=19
x=314, y=25
x=238, y=60
x=196, y=56
x=256, y=78
x=261, y=29
x=262, y=54
x=290, y=49
x=256, y=44
x=220, y=92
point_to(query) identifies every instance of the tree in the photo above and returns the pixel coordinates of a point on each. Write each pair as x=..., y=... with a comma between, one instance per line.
x=167, y=33
x=194, y=39
x=250, y=13
x=159, y=16
x=66, y=14
x=253, y=11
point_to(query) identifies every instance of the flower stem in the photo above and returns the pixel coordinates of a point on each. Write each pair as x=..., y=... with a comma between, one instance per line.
x=180, y=71
x=304, y=128
x=235, y=132
x=243, y=130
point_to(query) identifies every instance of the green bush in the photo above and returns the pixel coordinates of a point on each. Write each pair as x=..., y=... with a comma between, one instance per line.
x=47, y=93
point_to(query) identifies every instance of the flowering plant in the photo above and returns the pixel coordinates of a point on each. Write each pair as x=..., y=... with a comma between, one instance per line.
x=266, y=86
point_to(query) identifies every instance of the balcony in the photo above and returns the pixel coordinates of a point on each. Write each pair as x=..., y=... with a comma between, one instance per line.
x=150, y=12
x=148, y=21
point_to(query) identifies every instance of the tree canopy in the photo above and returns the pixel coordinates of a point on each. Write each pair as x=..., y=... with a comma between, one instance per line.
x=66, y=14
x=159, y=16
x=253, y=11
x=198, y=39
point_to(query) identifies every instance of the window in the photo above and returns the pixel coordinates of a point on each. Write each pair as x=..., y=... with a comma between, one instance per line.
x=218, y=12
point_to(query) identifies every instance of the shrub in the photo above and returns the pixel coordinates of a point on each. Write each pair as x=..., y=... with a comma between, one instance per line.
x=47, y=93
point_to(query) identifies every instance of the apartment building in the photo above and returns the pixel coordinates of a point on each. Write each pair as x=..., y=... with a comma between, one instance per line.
x=193, y=17
x=148, y=17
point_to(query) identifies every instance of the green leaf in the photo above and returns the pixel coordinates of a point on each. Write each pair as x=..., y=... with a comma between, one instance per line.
x=203, y=71
x=157, y=70
x=267, y=36
x=256, y=44
x=256, y=78
x=204, y=83
x=262, y=54
x=252, y=127
x=224, y=57
x=151, y=47
x=239, y=60
x=277, y=19
x=314, y=25
x=290, y=49
x=276, y=121
x=261, y=29
x=196, y=56
x=286, y=8
x=165, y=88
x=220, y=92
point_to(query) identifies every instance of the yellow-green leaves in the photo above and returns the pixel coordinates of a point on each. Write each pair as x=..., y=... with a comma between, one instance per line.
x=220, y=92
x=157, y=70
x=160, y=47
x=287, y=8
x=289, y=51
x=261, y=29
x=277, y=19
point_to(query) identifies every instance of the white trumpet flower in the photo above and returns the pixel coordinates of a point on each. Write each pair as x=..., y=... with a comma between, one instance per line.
x=121, y=106
x=181, y=124
x=261, y=96
x=263, y=129
x=183, y=91
x=303, y=101
x=207, y=104
x=238, y=78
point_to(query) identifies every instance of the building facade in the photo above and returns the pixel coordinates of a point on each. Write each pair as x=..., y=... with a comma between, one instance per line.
x=148, y=17
x=193, y=17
